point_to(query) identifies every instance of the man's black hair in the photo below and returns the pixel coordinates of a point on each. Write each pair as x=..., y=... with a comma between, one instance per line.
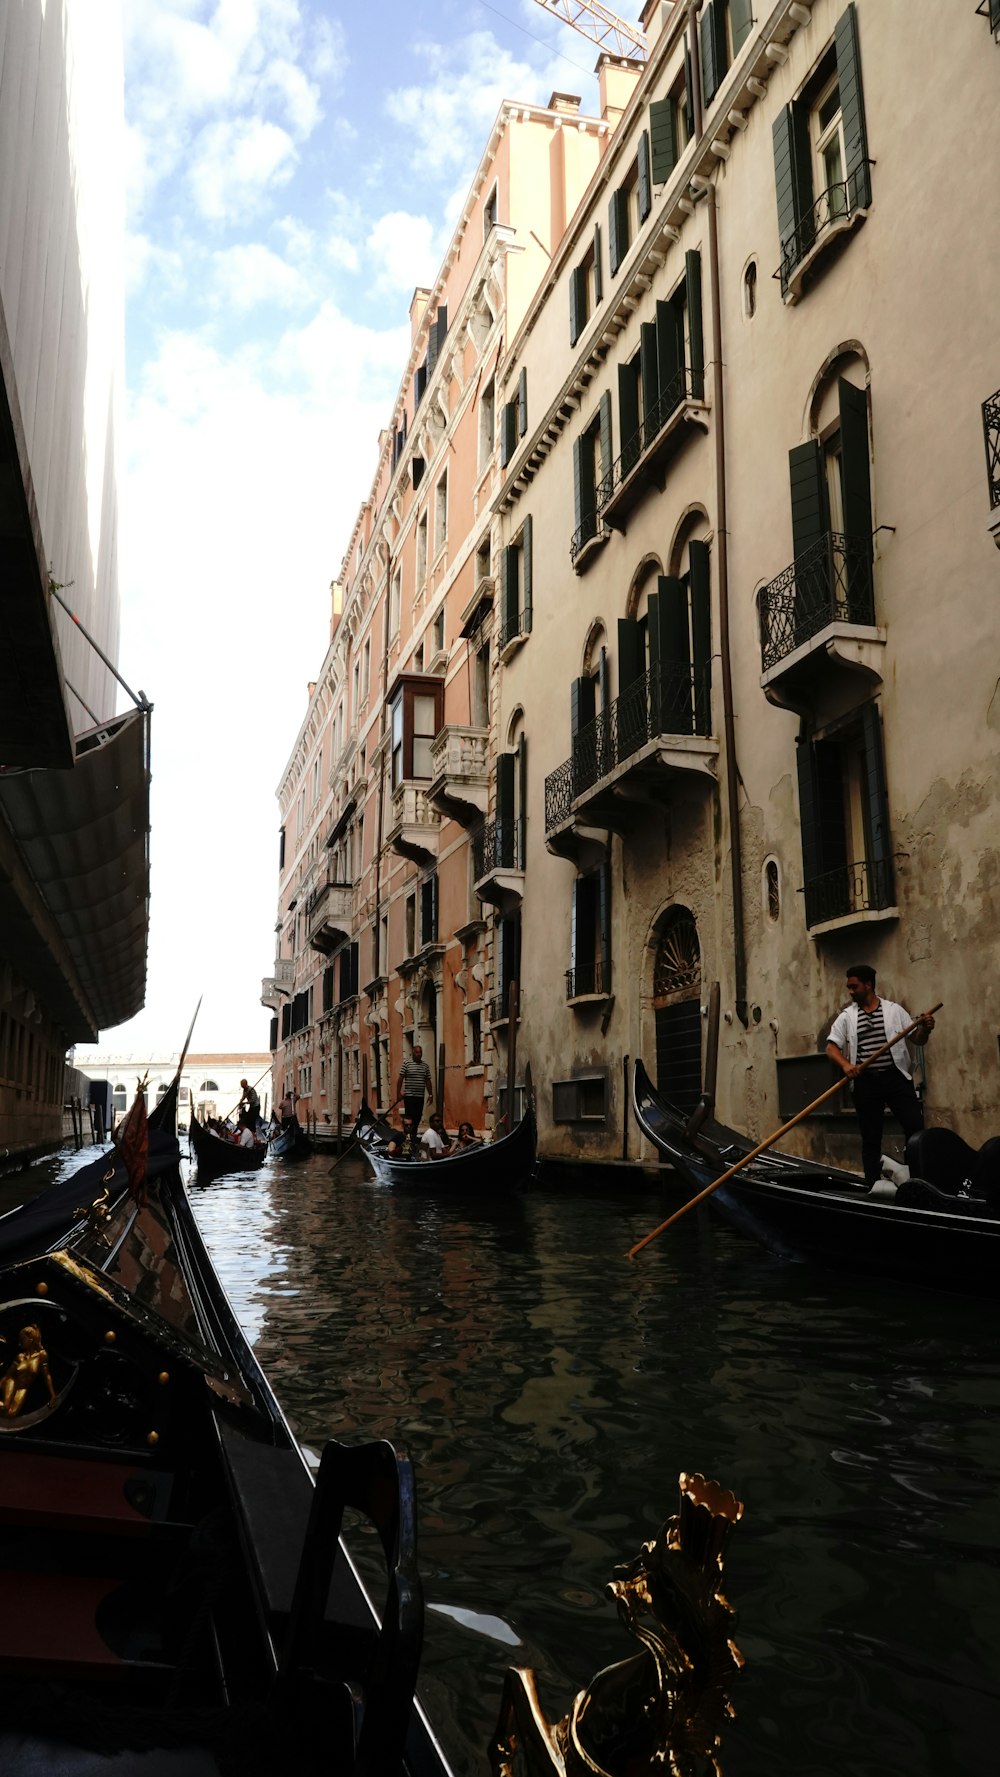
x=862, y=972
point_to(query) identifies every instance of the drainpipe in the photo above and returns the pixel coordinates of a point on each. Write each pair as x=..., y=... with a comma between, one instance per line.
x=381, y=816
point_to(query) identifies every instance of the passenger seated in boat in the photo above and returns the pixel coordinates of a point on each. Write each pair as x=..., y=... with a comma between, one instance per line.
x=466, y=1138
x=404, y=1147
x=435, y=1140
x=244, y=1137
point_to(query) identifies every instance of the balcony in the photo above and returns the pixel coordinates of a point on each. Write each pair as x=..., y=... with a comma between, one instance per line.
x=835, y=214
x=497, y=874
x=565, y=835
x=588, y=984
x=498, y=1009
x=587, y=541
x=459, y=788
x=991, y=438
x=632, y=755
x=413, y=823
x=853, y=894
x=330, y=915
x=645, y=457
x=269, y=993
x=817, y=627
x=514, y=629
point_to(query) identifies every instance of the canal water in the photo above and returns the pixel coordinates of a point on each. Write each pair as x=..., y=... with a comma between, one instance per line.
x=550, y=1391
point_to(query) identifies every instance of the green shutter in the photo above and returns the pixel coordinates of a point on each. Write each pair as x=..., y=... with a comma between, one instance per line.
x=701, y=635
x=792, y=184
x=652, y=418
x=506, y=764
x=881, y=887
x=631, y=673
x=631, y=653
x=713, y=49
x=628, y=416
x=741, y=22
x=577, y=306
x=688, y=95
x=852, y=108
x=510, y=591
x=669, y=354
x=995, y=15
x=662, y=140
x=607, y=447
x=604, y=923
x=692, y=281
x=508, y=440
x=672, y=642
x=617, y=229
x=812, y=856
x=598, y=267
x=522, y=403
x=644, y=180
x=810, y=519
x=580, y=697
x=583, y=486
x=857, y=491
x=521, y=837
x=574, y=931
x=526, y=575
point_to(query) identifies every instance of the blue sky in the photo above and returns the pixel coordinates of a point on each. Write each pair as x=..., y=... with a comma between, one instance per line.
x=294, y=169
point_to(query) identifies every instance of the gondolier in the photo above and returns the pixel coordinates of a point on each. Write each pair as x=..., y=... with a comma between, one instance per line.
x=414, y=1084
x=857, y=1032
x=250, y=1103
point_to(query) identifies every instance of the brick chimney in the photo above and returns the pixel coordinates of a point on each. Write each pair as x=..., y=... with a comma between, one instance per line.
x=617, y=79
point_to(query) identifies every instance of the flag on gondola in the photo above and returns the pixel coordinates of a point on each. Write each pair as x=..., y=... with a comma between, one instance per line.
x=131, y=1138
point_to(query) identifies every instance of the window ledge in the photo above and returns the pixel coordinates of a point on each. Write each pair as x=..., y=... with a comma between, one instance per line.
x=475, y=1070
x=833, y=232
x=870, y=916
x=586, y=553
x=510, y=648
x=583, y=1000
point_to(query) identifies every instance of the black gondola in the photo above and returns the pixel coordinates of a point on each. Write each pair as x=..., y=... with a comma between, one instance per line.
x=801, y=1208
x=215, y=1156
x=291, y=1141
x=495, y=1167
x=171, y=1577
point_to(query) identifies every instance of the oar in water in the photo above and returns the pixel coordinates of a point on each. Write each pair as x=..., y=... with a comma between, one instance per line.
x=785, y=1127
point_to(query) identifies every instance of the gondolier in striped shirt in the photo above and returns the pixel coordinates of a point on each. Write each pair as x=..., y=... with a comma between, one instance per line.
x=414, y=1084
x=857, y=1033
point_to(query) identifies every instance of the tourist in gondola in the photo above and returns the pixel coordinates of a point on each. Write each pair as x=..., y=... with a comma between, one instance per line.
x=466, y=1138
x=857, y=1032
x=435, y=1140
x=245, y=1137
x=414, y=1085
x=405, y=1146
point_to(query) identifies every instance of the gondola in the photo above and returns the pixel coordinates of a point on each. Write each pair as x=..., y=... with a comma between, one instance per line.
x=291, y=1141
x=495, y=1167
x=215, y=1156
x=173, y=1581
x=921, y=1231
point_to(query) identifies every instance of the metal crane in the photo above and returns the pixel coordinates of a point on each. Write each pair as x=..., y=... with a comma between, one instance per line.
x=601, y=25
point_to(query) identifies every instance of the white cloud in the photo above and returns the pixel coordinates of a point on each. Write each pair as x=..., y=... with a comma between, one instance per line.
x=147, y=262
x=234, y=164
x=449, y=114
x=403, y=251
x=251, y=276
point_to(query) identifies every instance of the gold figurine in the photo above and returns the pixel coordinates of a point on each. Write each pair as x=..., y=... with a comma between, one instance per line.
x=100, y=1210
x=31, y=1362
x=662, y=1710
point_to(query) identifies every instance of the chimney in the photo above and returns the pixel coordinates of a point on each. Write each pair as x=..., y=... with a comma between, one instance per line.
x=568, y=104
x=617, y=79
x=418, y=308
x=310, y=688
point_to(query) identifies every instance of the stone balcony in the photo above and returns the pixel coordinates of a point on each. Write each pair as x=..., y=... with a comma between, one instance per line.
x=414, y=824
x=459, y=788
x=330, y=916
x=274, y=988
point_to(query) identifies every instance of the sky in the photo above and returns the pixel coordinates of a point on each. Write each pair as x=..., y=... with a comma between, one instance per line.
x=294, y=169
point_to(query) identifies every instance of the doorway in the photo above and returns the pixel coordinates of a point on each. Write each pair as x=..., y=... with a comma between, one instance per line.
x=677, y=1009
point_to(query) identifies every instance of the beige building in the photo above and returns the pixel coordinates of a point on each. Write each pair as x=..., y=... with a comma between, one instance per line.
x=759, y=692
x=381, y=942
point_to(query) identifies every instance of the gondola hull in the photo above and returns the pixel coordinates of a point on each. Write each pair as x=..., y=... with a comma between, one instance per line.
x=802, y=1209
x=215, y=1156
x=291, y=1142
x=494, y=1169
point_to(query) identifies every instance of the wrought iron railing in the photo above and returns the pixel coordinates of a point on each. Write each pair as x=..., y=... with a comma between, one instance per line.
x=838, y=203
x=498, y=1008
x=559, y=795
x=589, y=528
x=852, y=888
x=511, y=627
x=588, y=977
x=991, y=436
x=686, y=385
x=831, y=582
x=672, y=700
x=496, y=846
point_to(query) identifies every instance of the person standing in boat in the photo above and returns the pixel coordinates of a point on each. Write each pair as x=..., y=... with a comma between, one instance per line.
x=857, y=1032
x=414, y=1085
x=250, y=1103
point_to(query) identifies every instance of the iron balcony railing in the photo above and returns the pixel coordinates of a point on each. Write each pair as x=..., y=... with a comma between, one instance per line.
x=511, y=627
x=589, y=528
x=559, y=795
x=672, y=700
x=852, y=888
x=838, y=203
x=831, y=582
x=498, y=1008
x=991, y=436
x=588, y=977
x=496, y=846
x=687, y=385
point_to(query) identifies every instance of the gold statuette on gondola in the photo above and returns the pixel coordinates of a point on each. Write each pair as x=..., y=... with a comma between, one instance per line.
x=662, y=1710
x=99, y=1211
x=29, y=1367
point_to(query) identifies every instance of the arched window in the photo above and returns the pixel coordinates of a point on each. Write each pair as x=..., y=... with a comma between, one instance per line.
x=750, y=290
x=772, y=889
x=677, y=1007
x=208, y=1086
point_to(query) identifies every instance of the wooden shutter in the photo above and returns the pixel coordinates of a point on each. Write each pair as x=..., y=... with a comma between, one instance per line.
x=651, y=415
x=713, y=49
x=628, y=416
x=701, y=635
x=577, y=304
x=881, y=888
x=692, y=282
x=510, y=591
x=631, y=653
x=855, y=461
x=522, y=403
x=526, y=575
x=852, y=108
x=644, y=179
x=809, y=795
x=604, y=923
x=521, y=836
x=506, y=764
x=583, y=486
x=508, y=440
x=741, y=22
x=617, y=229
x=574, y=934
x=442, y=327
x=662, y=140
x=671, y=640
x=598, y=266
x=688, y=95
x=792, y=181
x=632, y=705
x=607, y=444
x=669, y=354
x=810, y=519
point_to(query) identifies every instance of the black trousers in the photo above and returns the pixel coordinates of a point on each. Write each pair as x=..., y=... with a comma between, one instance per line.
x=873, y=1092
x=414, y=1107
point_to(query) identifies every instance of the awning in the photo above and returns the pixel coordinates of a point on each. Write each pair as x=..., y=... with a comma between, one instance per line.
x=74, y=908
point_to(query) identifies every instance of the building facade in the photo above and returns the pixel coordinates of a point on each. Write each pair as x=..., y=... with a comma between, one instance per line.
x=758, y=690
x=381, y=941
x=74, y=779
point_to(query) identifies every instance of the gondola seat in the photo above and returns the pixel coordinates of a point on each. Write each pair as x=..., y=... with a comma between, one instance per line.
x=943, y=1159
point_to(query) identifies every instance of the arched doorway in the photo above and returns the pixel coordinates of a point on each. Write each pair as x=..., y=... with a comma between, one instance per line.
x=677, y=1007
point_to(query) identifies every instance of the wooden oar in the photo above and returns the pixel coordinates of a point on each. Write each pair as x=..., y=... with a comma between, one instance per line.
x=769, y=1143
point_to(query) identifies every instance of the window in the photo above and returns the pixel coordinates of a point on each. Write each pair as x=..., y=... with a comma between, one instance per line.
x=724, y=27
x=668, y=369
x=410, y=926
x=328, y=988
x=590, y=935
x=629, y=206
x=586, y=288
x=487, y=425
x=821, y=167
x=317, y=772
x=665, y=659
x=421, y=572
x=592, y=471
x=429, y=911
x=481, y=688
x=507, y=966
x=750, y=290
x=437, y=632
x=517, y=587
x=474, y=1037
x=367, y=667
x=847, y=862
x=831, y=504
x=349, y=972
x=514, y=419
x=395, y=601
x=414, y=719
x=490, y=212
x=580, y=1101
x=772, y=889
x=356, y=688
x=441, y=514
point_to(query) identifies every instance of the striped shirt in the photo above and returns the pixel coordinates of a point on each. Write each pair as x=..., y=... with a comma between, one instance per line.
x=415, y=1077
x=871, y=1036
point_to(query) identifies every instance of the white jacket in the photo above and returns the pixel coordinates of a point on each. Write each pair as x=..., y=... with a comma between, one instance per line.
x=896, y=1018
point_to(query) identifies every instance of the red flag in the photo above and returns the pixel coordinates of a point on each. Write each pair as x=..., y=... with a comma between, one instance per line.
x=132, y=1141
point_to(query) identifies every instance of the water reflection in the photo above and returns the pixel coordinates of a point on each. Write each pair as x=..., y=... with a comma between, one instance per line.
x=550, y=1390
